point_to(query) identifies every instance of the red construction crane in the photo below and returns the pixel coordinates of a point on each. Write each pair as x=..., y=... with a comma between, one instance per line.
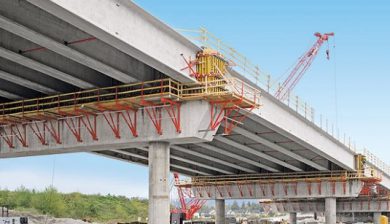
x=302, y=66
x=189, y=207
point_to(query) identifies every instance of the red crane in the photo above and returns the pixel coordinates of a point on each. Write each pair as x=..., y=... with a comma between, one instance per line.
x=302, y=66
x=189, y=207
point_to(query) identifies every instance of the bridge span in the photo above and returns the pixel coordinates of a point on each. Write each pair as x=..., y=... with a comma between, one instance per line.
x=110, y=81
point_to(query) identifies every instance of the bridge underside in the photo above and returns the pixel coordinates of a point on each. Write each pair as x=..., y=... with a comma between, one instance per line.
x=47, y=50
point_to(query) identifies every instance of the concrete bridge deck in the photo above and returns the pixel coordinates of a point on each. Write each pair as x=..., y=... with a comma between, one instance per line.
x=56, y=46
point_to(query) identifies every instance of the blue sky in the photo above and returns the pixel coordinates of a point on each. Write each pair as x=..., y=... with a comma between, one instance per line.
x=273, y=34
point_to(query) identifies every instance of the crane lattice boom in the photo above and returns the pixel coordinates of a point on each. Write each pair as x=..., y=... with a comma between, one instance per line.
x=302, y=66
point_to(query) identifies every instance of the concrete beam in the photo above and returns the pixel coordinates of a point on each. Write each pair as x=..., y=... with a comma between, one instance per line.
x=63, y=50
x=257, y=153
x=26, y=83
x=8, y=95
x=212, y=159
x=174, y=168
x=237, y=156
x=278, y=148
x=104, y=137
x=358, y=205
x=44, y=69
x=193, y=162
x=142, y=36
x=277, y=190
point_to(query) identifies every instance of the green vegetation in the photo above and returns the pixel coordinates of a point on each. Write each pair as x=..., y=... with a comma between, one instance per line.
x=75, y=205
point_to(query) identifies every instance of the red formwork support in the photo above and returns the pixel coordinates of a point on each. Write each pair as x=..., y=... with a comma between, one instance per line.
x=285, y=188
x=309, y=185
x=74, y=126
x=231, y=116
x=229, y=190
x=250, y=189
x=39, y=131
x=344, y=187
x=154, y=113
x=333, y=184
x=54, y=130
x=219, y=190
x=272, y=186
x=319, y=187
x=199, y=190
x=235, y=118
x=90, y=122
x=295, y=187
x=173, y=109
x=8, y=137
x=130, y=118
x=240, y=189
x=263, y=188
x=112, y=119
x=20, y=133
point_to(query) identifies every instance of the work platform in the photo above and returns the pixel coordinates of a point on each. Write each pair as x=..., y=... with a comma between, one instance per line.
x=132, y=92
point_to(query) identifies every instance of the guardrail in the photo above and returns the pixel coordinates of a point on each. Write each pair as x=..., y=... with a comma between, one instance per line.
x=264, y=80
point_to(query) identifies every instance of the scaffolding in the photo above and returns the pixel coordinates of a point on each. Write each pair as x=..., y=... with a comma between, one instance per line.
x=231, y=102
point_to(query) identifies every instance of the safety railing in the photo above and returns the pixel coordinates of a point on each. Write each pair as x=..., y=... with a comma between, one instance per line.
x=133, y=94
x=264, y=80
x=282, y=178
x=155, y=88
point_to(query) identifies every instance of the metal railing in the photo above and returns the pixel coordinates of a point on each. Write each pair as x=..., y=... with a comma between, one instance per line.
x=252, y=72
x=283, y=178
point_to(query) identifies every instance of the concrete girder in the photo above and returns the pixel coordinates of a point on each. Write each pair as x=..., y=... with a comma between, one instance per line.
x=237, y=156
x=278, y=148
x=44, y=69
x=86, y=138
x=135, y=155
x=143, y=36
x=63, y=50
x=8, y=95
x=212, y=159
x=26, y=83
x=175, y=168
x=257, y=153
x=193, y=162
x=343, y=206
x=278, y=190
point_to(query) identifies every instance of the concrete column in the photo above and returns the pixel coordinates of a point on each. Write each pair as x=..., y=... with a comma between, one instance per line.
x=293, y=218
x=330, y=210
x=376, y=217
x=219, y=211
x=159, y=203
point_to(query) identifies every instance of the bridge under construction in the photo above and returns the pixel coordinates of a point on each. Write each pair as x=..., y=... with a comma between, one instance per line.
x=79, y=80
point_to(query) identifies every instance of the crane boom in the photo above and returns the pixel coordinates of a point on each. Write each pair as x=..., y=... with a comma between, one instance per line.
x=189, y=207
x=302, y=66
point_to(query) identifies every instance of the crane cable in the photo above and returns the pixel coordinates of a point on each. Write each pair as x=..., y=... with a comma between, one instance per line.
x=335, y=87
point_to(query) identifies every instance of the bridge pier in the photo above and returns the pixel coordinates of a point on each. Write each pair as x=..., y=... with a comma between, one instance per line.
x=219, y=211
x=159, y=202
x=330, y=210
x=293, y=218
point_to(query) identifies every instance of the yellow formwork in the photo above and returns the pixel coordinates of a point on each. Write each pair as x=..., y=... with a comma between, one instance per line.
x=383, y=219
x=210, y=63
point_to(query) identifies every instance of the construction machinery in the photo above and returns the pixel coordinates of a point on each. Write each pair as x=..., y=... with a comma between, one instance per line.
x=187, y=207
x=302, y=66
x=6, y=219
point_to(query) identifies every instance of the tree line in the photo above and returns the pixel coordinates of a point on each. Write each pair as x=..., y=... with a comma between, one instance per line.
x=75, y=205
